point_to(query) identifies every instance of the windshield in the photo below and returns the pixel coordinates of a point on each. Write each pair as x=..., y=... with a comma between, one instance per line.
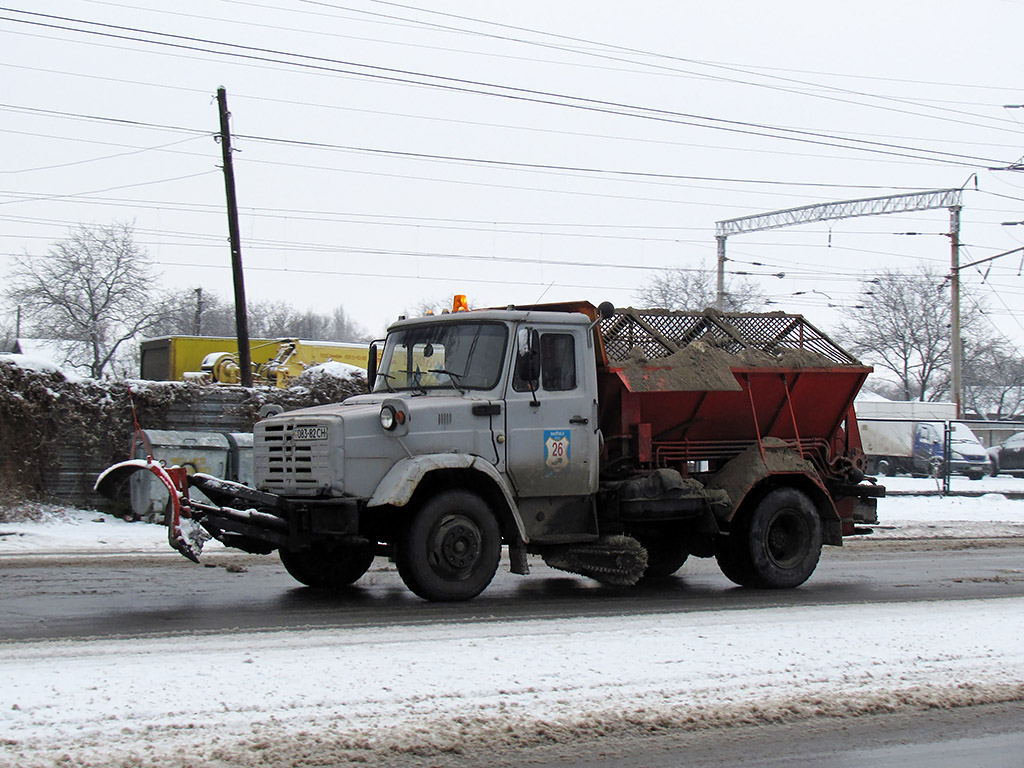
x=963, y=434
x=456, y=355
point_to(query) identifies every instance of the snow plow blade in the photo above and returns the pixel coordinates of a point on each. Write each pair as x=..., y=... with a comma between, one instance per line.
x=187, y=538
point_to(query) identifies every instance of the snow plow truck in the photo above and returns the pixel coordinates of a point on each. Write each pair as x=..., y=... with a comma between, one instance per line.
x=612, y=443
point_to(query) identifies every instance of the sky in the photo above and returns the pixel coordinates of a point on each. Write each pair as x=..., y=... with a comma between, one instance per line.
x=389, y=154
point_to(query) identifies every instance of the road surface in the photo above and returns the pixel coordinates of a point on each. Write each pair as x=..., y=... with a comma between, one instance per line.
x=134, y=603
x=124, y=595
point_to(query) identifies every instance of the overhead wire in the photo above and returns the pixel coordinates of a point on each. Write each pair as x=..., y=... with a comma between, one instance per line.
x=635, y=51
x=640, y=176
x=128, y=153
x=464, y=85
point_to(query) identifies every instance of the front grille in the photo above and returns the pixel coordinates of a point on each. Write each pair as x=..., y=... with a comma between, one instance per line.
x=286, y=463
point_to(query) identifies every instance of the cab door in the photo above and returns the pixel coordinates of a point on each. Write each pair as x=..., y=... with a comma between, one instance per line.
x=551, y=432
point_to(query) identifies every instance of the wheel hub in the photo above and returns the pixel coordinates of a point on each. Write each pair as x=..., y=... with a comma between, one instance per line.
x=786, y=539
x=458, y=543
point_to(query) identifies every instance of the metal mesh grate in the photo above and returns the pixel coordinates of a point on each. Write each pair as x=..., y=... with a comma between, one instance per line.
x=655, y=333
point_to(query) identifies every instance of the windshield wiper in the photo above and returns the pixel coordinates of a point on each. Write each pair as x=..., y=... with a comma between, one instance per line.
x=387, y=382
x=453, y=378
x=416, y=385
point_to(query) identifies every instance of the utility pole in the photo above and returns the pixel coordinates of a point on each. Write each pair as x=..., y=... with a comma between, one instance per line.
x=720, y=287
x=197, y=322
x=956, y=349
x=241, y=321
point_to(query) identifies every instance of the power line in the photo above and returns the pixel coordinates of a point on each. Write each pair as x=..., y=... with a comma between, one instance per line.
x=463, y=85
x=625, y=49
x=128, y=153
x=71, y=195
x=459, y=121
x=507, y=164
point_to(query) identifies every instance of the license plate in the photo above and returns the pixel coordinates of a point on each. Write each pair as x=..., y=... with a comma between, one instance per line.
x=310, y=433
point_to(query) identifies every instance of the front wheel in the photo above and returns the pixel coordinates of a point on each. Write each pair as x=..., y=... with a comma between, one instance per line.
x=778, y=547
x=326, y=566
x=450, y=549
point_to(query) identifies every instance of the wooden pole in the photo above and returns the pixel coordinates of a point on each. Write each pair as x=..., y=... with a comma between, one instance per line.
x=241, y=320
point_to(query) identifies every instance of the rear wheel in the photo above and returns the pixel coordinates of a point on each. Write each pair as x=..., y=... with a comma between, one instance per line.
x=451, y=548
x=778, y=547
x=326, y=566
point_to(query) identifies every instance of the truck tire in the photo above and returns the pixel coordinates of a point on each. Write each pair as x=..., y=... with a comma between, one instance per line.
x=733, y=558
x=778, y=547
x=664, y=556
x=451, y=548
x=327, y=567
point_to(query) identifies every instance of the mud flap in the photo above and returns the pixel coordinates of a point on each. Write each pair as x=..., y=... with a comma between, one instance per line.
x=183, y=533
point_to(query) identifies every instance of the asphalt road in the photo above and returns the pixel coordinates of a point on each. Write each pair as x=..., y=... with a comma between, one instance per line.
x=131, y=595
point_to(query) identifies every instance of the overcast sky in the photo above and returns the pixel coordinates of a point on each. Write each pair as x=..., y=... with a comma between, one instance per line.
x=389, y=155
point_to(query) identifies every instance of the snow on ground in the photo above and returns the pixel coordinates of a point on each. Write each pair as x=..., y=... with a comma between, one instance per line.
x=338, y=696
x=336, y=369
x=359, y=695
x=77, y=531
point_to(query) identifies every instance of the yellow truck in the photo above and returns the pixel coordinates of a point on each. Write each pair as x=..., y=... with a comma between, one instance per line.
x=215, y=358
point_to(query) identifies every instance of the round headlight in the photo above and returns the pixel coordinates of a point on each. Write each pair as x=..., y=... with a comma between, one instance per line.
x=387, y=417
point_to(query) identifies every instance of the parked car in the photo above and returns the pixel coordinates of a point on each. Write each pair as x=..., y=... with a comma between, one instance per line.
x=967, y=457
x=1008, y=456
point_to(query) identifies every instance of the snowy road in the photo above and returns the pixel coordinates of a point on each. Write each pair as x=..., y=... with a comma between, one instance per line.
x=331, y=696
x=375, y=676
x=60, y=597
x=150, y=661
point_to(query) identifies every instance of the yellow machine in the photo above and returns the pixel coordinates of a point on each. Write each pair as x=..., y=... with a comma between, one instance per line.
x=215, y=359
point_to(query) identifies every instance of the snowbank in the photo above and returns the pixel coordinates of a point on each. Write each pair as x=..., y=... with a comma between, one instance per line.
x=334, y=369
x=77, y=531
x=35, y=363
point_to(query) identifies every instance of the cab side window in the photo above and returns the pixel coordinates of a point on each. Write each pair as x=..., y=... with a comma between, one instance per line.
x=557, y=365
x=557, y=362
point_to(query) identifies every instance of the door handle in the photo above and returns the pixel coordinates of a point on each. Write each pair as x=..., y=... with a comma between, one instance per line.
x=579, y=420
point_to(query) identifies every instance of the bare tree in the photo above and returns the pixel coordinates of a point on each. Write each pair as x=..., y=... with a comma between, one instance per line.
x=346, y=329
x=89, y=292
x=696, y=289
x=430, y=305
x=901, y=325
x=192, y=313
x=994, y=382
x=8, y=338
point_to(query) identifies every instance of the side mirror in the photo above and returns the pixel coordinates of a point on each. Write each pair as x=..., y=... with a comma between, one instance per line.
x=371, y=367
x=605, y=310
x=528, y=359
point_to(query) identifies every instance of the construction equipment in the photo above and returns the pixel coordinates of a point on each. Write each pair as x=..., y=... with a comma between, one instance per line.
x=614, y=444
x=209, y=359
